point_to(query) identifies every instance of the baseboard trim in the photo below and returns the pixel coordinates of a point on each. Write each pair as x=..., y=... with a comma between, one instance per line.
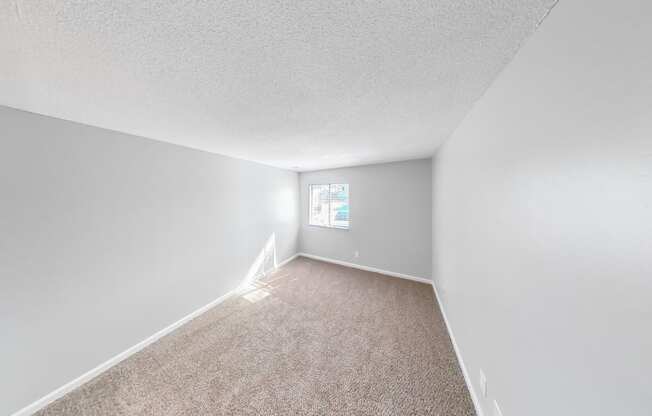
x=367, y=268
x=465, y=373
x=68, y=387
x=286, y=261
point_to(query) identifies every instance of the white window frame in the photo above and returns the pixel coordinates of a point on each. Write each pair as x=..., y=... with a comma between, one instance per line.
x=331, y=227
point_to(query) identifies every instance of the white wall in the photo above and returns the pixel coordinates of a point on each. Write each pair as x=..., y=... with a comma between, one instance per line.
x=390, y=208
x=107, y=238
x=543, y=219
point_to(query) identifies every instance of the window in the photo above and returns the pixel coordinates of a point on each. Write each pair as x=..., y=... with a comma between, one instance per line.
x=329, y=205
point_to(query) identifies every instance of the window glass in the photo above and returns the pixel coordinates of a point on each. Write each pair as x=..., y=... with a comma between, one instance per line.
x=329, y=205
x=319, y=205
x=339, y=210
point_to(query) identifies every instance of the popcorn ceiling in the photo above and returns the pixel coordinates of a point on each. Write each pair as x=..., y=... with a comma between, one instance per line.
x=294, y=84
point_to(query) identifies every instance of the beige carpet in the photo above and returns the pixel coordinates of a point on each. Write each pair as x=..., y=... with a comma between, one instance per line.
x=311, y=339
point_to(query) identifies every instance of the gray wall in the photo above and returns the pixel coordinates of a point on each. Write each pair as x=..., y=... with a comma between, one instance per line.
x=107, y=238
x=543, y=219
x=390, y=217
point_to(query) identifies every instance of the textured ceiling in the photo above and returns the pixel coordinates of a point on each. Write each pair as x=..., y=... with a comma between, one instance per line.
x=295, y=84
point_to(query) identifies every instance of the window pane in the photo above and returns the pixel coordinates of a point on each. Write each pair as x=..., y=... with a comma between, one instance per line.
x=339, y=207
x=319, y=205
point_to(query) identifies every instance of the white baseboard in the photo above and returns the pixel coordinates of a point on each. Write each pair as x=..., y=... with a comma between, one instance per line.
x=367, y=268
x=286, y=261
x=465, y=373
x=65, y=389
x=467, y=379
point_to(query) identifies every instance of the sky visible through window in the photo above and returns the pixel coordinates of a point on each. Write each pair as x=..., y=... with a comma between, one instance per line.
x=329, y=205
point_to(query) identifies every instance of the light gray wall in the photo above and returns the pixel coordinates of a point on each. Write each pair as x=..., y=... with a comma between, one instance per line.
x=543, y=219
x=107, y=238
x=390, y=207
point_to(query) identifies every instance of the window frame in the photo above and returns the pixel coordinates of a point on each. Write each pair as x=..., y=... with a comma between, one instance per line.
x=330, y=227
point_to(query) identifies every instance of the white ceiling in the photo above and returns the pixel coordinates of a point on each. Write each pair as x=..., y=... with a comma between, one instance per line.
x=302, y=85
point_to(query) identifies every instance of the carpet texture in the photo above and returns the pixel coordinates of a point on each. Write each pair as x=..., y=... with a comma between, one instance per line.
x=312, y=338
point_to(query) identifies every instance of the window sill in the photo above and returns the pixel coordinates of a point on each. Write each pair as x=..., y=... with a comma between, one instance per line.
x=329, y=227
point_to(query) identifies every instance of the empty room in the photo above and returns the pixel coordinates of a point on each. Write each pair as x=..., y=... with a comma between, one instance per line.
x=360, y=207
